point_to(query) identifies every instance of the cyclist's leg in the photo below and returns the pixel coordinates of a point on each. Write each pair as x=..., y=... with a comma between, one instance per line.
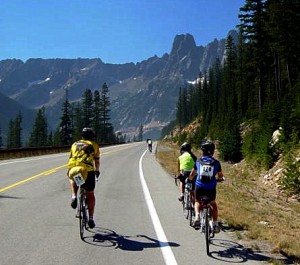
x=212, y=196
x=89, y=187
x=181, y=186
x=214, y=205
x=74, y=190
x=197, y=207
x=193, y=192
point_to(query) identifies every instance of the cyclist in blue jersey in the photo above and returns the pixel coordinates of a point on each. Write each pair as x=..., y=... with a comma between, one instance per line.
x=209, y=172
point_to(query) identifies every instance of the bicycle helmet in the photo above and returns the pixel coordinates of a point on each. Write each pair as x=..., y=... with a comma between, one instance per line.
x=88, y=133
x=208, y=148
x=185, y=147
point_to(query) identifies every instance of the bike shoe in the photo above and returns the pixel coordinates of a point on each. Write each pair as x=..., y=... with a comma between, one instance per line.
x=196, y=224
x=91, y=223
x=180, y=198
x=74, y=203
x=217, y=229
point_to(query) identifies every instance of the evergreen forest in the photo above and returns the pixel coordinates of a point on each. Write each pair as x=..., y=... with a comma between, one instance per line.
x=92, y=111
x=241, y=102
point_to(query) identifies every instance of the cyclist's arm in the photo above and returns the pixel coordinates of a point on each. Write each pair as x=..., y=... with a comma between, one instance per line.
x=220, y=174
x=192, y=174
x=97, y=164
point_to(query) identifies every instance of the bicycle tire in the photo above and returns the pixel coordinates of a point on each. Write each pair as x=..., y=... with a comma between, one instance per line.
x=191, y=214
x=185, y=205
x=206, y=231
x=82, y=215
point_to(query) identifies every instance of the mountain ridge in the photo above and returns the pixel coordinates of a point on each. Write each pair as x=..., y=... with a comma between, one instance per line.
x=141, y=93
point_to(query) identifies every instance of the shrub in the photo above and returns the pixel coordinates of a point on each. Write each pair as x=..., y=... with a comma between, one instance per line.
x=290, y=181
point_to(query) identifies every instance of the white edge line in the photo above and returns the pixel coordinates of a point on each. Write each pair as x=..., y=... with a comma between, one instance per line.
x=163, y=241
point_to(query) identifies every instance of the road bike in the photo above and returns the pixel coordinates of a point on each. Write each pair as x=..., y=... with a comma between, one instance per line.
x=82, y=213
x=82, y=209
x=187, y=204
x=206, y=222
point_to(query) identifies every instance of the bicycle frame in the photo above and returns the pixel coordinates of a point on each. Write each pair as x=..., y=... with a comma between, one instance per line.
x=82, y=212
x=206, y=222
x=187, y=203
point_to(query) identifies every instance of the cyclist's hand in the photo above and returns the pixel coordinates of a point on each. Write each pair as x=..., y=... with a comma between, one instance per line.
x=97, y=174
x=221, y=179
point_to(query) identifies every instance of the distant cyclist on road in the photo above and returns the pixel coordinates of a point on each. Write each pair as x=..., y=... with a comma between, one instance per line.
x=186, y=162
x=149, y=142
x=209, y=171
x=85, y=159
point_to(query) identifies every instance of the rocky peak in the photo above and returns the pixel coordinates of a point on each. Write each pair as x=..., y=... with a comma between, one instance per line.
x=156, y=80
x=182, y=45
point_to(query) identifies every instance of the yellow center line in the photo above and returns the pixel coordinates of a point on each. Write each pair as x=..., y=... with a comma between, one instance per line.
x=50, y=171
x=31, y=178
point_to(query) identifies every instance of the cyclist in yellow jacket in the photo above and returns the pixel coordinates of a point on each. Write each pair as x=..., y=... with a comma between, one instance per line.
x=186, y=162
x=85, y=159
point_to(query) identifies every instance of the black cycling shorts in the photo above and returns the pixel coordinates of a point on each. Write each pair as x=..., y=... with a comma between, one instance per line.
x=90, y=182
x=211, y=193
x=184, y=175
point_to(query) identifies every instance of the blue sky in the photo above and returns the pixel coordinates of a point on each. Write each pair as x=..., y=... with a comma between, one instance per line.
x=116, y=31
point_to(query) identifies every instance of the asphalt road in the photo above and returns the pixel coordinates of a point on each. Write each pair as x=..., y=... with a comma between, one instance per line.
x=138, y=217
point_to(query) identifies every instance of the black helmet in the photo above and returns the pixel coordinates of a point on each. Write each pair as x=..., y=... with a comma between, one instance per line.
x=208, y=148
x=88, y=133
x=185, y=147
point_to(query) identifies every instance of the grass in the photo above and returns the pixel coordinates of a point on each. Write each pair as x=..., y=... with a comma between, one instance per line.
x=257, y=213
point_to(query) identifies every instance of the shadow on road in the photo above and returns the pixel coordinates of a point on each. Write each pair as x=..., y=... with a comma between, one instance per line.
x=233, y=252
x=9, y=197
x=108, y=238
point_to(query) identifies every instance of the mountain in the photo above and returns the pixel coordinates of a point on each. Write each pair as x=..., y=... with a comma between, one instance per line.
x=9, y=109
x=142, y=93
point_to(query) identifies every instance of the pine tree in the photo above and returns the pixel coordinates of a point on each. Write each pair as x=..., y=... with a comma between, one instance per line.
x=106, y=127
x=97, y=115
x=141, y=132
x=252, y=18
x=87, y=108
x=39, y=134
x=179, y=112
x=65, y=126
x=77, y=120
x=14, y=137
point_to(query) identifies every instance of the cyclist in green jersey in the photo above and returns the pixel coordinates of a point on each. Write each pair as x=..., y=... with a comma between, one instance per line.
x=186, y=162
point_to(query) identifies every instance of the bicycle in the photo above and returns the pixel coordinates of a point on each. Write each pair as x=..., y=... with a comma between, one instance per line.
x=187, y=204
x=82, y=210
x=206, y=222
x=188, y=209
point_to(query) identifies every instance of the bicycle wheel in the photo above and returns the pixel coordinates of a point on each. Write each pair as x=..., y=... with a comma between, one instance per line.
x=186, y=199
x=82, y=214
x=206, y=231
x=211, y=225
x=191, y=213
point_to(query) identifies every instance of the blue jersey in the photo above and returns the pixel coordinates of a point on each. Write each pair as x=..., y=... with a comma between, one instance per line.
x=207, y=169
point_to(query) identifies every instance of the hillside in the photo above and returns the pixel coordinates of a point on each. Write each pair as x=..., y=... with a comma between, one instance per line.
x=10, y=109
x=252, y=207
